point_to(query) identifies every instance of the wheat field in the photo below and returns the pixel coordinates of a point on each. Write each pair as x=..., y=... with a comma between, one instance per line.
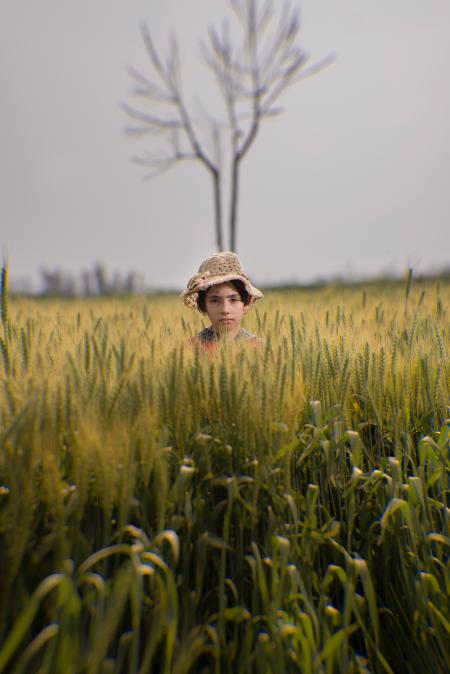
x=271, y=510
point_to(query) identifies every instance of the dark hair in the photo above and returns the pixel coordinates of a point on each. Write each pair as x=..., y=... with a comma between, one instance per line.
x=236, y=283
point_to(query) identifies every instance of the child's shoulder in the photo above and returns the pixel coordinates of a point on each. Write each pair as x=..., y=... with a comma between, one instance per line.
x=247, y=336
x=207, y=338
x=206, y=335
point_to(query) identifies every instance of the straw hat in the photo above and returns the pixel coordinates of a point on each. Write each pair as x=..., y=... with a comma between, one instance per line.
x=218, y=268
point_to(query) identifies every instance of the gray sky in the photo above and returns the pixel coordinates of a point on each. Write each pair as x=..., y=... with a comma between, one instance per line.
x=352, y=178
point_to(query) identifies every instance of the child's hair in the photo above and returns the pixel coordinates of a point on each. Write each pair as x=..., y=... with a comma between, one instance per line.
x=236, y=283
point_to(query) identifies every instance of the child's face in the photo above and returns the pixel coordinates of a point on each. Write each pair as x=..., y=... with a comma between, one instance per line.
x=225, y=308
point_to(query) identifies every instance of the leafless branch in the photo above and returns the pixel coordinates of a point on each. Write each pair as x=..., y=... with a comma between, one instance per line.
x=173, y=65
x=160, y=163
x=251, y=73
x=170, y=76
x=265, y=16
x=153, y=124
x=147, y=88
x=293, y=76
x=239, y=9
x=152, y=53
x=277, y=48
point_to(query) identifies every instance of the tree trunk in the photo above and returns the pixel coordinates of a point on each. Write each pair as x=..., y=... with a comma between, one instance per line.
x=218, y=210
x=234, y=202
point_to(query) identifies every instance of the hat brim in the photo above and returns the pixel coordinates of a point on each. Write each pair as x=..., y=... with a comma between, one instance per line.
x=189, y=296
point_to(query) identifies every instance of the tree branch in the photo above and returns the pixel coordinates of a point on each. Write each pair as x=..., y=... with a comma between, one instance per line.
x=251, y=74
x=154, y=124
x=293, y=76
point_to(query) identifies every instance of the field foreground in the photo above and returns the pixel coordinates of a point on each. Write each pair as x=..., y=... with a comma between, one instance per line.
x=272, y=510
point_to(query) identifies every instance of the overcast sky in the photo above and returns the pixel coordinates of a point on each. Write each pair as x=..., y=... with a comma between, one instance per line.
x=353, y=178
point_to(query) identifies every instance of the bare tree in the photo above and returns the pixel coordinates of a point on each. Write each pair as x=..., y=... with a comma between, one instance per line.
x=251, y=75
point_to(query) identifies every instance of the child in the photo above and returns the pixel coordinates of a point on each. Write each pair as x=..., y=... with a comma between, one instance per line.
x=222, y=290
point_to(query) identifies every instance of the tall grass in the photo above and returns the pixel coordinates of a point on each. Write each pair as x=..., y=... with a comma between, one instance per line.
x=279, y=509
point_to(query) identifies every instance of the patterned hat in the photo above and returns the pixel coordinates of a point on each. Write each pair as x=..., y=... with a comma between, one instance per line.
x=218, y=268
